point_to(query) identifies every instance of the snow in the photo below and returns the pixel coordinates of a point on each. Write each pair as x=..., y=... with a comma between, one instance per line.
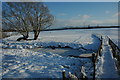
x=82, y=36
x=24, y=63
x=106, y=67
x=0, y=64
x=25, y=59
x=90, y=41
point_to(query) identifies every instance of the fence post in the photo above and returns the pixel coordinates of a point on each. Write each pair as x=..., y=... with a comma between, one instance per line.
x=64, y=75
x=118, y=60
x=101, y=38
x=117, y=56
x=109, y=41
x=100, y=48
x=93, y=60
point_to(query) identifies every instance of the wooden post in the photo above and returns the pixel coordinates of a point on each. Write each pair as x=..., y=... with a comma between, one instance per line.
x=101, y=38
x=93, y=60
x=109, y=41
x=100, y=49
x=83, y=73
x=118, y=56
x=64, y=75
x=118, y=59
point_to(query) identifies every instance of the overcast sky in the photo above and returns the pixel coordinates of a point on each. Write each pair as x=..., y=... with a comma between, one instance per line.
x=84, y=13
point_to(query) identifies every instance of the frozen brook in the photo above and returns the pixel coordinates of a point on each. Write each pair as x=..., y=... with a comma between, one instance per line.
x=108, y=69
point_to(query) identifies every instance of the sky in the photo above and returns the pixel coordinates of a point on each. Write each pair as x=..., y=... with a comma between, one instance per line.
x=60, y=0
x=83, y=13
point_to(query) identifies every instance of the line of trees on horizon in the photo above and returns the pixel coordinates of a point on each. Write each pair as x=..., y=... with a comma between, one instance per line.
x=64, y=28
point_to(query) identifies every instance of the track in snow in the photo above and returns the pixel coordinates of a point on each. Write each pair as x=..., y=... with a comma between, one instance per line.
x=109, y=68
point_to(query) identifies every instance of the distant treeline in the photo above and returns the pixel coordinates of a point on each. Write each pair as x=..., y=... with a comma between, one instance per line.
x=94, y=27
x=90, y=27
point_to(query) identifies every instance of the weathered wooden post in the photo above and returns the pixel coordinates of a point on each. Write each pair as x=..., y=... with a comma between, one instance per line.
x=64, y=75
x=109, y=41
x=100, y=48
x=93, y=60
x=119, y=60
x=101, y=38
x=83, y=76
x=118, y=56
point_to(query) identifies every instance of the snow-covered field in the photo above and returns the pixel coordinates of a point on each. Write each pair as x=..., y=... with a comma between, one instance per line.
x=83, y=37
x=63, y=38
x=23, y=63
x=25, y=59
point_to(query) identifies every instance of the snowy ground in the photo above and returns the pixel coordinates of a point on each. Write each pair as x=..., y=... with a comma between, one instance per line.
x=106, y=67
x=108, y=61
x=23, y=63
x=24, y=59
x=54, y=38
x=80, y=36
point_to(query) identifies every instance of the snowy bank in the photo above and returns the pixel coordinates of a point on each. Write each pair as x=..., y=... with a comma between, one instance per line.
x=22, y=63
x=91, y=44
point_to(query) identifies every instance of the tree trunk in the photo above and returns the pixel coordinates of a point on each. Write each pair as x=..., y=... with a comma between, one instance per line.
x=25, y=36
x=36, y=34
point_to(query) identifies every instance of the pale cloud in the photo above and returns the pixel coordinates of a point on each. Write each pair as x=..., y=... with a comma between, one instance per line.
x=116, y=14
x=96, y=22
x=70, y=22
x=78, y=20
x=86, y=16
x=79, y=15
x=112, y=21
x=107, y=12
x=62, y=14
x=85, y=20
x=105, y=22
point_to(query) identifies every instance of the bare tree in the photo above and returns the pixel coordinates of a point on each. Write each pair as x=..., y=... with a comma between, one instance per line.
x=14, y=17
x=40, y=19
x=25, y=17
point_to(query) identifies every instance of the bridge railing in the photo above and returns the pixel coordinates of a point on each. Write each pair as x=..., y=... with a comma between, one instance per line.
x=95, y=58
x=115, y=52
